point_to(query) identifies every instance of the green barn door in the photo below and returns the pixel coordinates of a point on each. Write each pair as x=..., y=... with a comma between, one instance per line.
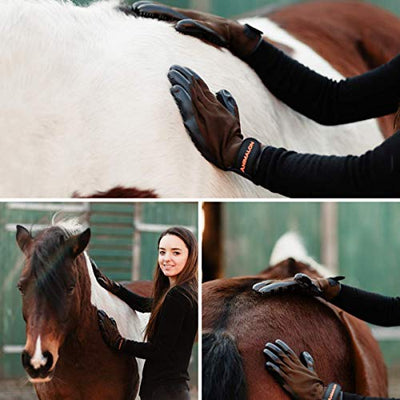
x=369, y=257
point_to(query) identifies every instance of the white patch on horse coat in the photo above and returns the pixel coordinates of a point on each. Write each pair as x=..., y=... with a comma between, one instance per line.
x=85, y=105
x=290, y=245
x=131, y=324
x=38, y=360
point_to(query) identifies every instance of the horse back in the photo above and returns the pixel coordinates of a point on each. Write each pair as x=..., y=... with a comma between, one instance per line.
x=305, y=323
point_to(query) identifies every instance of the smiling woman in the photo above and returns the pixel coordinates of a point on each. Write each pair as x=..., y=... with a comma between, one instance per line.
x=173, y=321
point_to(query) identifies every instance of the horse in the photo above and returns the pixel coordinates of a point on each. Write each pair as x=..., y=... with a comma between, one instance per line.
x=65, y=356
x=237, y=322
x=86, y=108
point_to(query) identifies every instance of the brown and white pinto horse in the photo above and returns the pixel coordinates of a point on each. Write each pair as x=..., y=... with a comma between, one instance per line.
x=237, y=322
x=130, y=140
x=65, y=356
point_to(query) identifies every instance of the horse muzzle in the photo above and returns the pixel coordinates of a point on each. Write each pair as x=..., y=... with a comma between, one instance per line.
x=39, y=371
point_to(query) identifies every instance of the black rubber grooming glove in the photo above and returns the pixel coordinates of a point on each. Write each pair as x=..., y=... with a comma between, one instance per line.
x=213, y=123
x=296, y=376
x=328, y=288
x=241, y=40
x=109, y=331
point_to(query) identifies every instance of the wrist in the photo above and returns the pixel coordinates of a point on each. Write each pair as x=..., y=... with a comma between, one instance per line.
x=247, y=158
x=245, y=40
x=333, y=391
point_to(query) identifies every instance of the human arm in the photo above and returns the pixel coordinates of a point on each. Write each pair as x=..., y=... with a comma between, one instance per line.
x=133, y=300
x=326, y=101
x=175, y=308
x=370, y=307
x=214, y=127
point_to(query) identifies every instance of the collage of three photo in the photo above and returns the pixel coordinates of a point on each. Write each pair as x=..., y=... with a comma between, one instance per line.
x=199, y=200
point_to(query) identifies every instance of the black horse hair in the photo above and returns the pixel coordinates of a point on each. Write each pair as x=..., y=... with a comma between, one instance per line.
x=48, y=266
x=223, y=373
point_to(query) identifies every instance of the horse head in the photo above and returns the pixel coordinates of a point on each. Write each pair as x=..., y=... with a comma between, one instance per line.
x=52, y=293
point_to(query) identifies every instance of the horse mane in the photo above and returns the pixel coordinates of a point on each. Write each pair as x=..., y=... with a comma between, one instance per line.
x=48, y=258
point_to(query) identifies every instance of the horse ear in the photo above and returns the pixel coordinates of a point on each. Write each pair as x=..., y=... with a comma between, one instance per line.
x=23, y=238
x=79, y=242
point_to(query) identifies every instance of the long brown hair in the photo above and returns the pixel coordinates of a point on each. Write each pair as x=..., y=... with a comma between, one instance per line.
x=188, y=276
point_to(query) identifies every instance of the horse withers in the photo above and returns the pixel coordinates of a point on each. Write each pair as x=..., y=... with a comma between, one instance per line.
x=65, y=356
x=237, y=322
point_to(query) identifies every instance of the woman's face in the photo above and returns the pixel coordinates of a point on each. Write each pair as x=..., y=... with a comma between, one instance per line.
x=172, y=256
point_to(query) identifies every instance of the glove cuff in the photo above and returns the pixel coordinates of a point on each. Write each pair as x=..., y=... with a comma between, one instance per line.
x=247, y=158
x=253, y=34
x=333, y=392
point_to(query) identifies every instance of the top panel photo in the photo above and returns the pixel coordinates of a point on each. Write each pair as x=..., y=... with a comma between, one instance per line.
x=213, y=99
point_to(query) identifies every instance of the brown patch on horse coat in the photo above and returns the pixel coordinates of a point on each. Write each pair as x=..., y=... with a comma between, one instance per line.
x=142, y=288
x=352, y=36
x=120, y=192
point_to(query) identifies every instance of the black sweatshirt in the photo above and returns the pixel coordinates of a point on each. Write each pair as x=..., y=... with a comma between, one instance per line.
x=168, y=352
x=370, y=307
x=375, y=93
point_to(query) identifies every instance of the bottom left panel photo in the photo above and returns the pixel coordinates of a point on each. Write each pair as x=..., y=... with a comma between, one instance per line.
x=99, y=300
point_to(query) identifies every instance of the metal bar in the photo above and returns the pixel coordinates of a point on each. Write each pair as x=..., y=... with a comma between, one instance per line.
x=136, y=238
x=80, y=207
x=13, y=348
x=12, y=226
x=329, y=232
x=154, y=228
x=392, y=333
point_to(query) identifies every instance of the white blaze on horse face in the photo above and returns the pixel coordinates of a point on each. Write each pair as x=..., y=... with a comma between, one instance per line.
x=38, y=360
x=131, y=324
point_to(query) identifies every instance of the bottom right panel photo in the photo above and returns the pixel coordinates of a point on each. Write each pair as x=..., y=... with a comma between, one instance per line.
x=299, y=300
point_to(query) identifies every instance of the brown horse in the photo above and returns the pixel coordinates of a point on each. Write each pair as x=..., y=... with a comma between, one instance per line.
x=65, y=356
x=237, y=322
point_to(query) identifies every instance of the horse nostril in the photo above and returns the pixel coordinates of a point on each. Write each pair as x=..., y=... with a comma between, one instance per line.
x=49, y=361
x=26, y=359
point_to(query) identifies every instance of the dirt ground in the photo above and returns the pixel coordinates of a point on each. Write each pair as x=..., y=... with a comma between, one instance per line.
x=21, y=389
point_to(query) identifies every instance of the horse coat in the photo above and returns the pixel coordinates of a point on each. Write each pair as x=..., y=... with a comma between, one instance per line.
x=85, y=105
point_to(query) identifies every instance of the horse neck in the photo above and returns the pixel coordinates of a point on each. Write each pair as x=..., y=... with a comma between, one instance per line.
x=87, y=324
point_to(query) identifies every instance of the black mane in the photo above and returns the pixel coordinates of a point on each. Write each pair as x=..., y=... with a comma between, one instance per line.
x=47, y=261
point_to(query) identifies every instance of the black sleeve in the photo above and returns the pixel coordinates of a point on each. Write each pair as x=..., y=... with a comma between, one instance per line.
x=328, y=102
x=349, y=396
x=169, y=326
x=134, y=301
x=373, y=174
x=370, y=307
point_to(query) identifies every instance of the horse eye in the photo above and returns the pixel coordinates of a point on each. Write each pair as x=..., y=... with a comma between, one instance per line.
x=70, y=289
x=20, y=288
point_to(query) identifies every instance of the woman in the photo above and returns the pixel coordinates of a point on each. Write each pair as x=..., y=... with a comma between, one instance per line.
x=217, y=135
x=298, y=376
x=172, y=327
